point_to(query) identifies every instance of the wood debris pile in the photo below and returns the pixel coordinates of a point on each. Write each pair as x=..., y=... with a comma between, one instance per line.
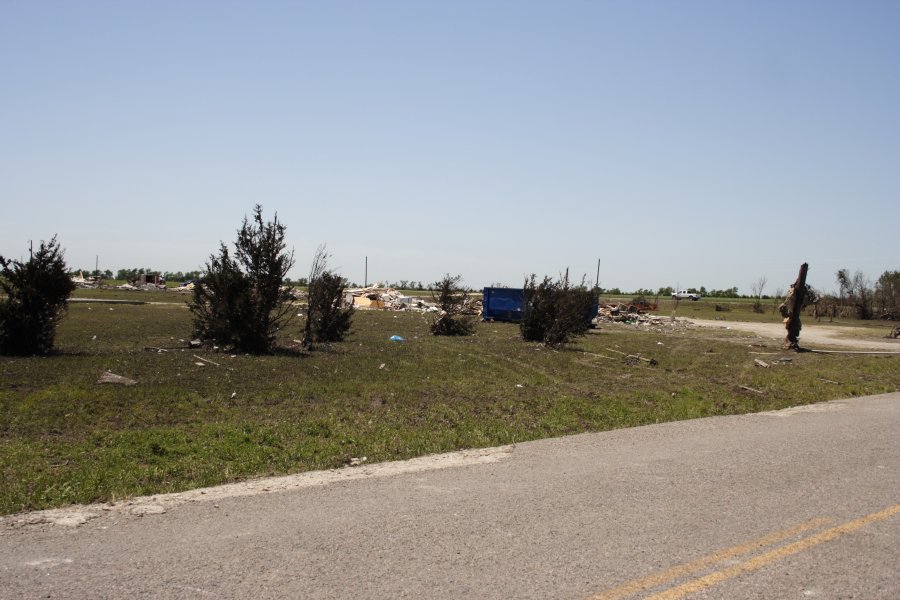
x=624, y=313
x=141, y=287
x=83, y=282
x=613, y=313
x=386, y=298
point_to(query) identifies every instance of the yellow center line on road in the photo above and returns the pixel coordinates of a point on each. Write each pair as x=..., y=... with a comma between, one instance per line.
x=682, y=570
x=767, y=558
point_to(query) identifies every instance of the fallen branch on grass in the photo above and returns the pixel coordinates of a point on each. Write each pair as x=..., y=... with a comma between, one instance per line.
x=750, y=389
x=651, y=361
x=206, y=360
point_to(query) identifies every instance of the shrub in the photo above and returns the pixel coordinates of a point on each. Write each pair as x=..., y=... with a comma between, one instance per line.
x=327, y=320
x=555, y=311
x=451, y=298
x=37, y=294
x=239, y=302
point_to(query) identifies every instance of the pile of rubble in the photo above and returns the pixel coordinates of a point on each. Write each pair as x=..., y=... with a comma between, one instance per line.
x=184, y=288
x=144, y=283
x=624, y=314
x=385, y=298
x=83, y=282
x=141, y=287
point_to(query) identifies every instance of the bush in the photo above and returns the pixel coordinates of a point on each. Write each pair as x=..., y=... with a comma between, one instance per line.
x=451, y=298
x=37, y=294
x=327, y=320
x=555, y=311
x=239, y=302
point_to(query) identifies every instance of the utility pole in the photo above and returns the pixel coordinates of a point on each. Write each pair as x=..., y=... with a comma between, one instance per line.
x=366, y=276
x=31, y=249
x=597, y=280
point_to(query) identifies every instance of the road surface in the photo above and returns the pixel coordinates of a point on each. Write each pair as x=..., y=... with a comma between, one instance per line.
x=801, y=503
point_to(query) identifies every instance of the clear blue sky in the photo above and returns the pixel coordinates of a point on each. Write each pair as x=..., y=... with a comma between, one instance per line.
x=689, y=142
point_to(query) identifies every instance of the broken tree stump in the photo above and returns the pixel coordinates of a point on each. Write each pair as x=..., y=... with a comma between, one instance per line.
x=791, y=308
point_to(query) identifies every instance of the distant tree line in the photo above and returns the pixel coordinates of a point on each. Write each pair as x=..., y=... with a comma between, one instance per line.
x=669, y=290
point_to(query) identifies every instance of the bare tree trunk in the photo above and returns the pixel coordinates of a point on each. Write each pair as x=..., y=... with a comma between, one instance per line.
x=791, y=308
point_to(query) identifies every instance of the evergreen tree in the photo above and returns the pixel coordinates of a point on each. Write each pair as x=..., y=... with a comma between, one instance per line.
x=239, y=302
x=37, y=294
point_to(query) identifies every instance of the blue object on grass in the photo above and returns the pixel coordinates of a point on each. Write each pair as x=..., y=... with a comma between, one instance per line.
x=397, y=338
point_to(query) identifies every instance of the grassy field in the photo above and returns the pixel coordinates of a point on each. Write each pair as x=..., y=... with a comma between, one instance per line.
x=65, y=439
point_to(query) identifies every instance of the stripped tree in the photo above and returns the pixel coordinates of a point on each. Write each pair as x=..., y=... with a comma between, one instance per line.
x=555, y=312
x=327, y=319
x=451, y=299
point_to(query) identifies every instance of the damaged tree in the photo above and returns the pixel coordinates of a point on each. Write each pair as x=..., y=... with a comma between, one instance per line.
x=556, y=311
x=239, y=302
x=757, y=290
x=451, y=298
x=327, y=320
x=37, y=294
x=798, y=296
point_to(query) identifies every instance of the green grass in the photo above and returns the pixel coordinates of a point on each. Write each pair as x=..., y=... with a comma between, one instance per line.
x=66, y=439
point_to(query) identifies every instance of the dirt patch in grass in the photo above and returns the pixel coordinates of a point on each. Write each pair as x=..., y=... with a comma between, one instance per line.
x=816, y=334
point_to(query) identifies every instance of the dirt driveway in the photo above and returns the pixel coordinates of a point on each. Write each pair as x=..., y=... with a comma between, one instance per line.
x=814, y=335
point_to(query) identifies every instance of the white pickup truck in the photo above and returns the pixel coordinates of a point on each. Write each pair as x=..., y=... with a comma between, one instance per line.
x=685, y=295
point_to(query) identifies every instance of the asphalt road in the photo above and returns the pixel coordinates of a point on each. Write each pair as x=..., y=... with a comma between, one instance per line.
x=803, y=503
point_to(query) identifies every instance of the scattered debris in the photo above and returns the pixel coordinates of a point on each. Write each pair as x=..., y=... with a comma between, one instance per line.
x=195, y=344
x=633, y=357
x=355, y=462
x=384, y=298
x=397, y=338
x=206, y=360
x=649, y=361
x=183, y=288
x=381, y=366
x=83, y=282
x=646, y=321
x=155, y=349
x=750, y=389
x=110, y=377
x=621, y=312
x=761, y=363
x=827, y=381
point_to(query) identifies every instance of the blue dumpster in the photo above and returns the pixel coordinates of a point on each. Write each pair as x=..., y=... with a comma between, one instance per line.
x=508, y=304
